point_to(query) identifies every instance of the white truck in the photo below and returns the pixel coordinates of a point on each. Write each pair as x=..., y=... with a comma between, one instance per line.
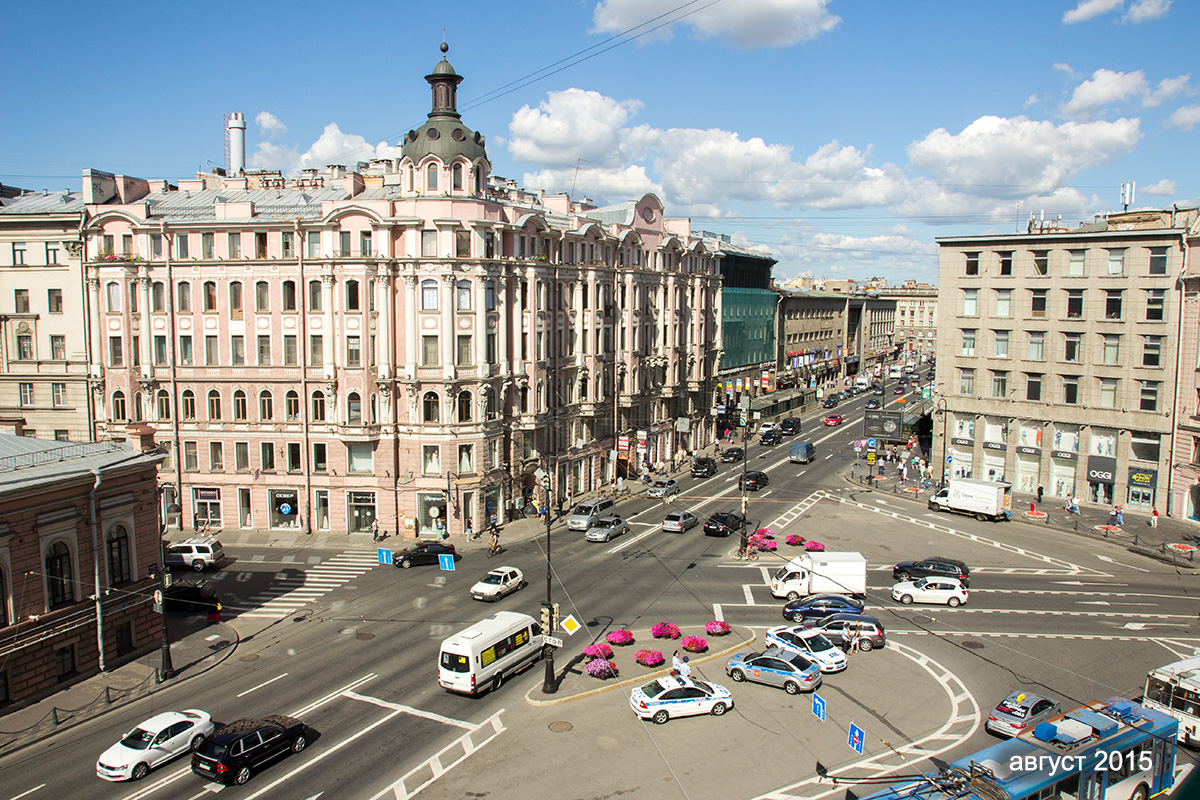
x=985, y=499
x=814, y=573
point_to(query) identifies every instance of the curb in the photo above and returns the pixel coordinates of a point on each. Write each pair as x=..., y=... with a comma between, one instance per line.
x=634, y=681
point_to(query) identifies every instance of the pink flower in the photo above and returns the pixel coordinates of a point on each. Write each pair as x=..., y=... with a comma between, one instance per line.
x=794, y=539
x=601, y=668
x=717, y=628
x=665, y=630
x=598, y=650
x=621, y=637
x=648, y=658
x=695, y=644
x=814, y=546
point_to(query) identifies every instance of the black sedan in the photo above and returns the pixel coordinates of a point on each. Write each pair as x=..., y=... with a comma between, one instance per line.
x=424, y=553
x=819, y=606
x=236, y=751
x=753, y=481
x=831, y=401
x=733, y=454
x=724, y=523
x=771, y=437
x=190, y=596
x=871, y=403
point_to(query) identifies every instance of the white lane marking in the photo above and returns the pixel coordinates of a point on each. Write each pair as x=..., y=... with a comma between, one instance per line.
x=416, y=712
x=261, y=685
x=349, y=687
x=749, y=596
x=26, y=793
x=718, y=613
x=1119, y=564
x=435, y=763
x=629, y=542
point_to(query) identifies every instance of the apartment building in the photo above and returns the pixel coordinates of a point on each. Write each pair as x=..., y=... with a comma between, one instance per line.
x=916, y=318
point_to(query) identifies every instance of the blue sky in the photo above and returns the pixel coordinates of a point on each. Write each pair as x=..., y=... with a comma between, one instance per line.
x=841, y=137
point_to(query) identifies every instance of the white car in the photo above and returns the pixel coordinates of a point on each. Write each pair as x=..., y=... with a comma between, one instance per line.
x=668, y=697
x=606, y=528
x=680, y=521
x=498, y=583
x=766, y=426
x=809, y=642
x=156, y=741
x=943, y=591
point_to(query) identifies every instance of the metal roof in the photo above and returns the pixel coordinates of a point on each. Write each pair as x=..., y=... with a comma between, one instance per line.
x=48, y=203
x=26, y=462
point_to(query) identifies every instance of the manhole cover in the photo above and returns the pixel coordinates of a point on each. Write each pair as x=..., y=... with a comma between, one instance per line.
x=561, y=727
x=250, y=657
x=971, y=644
x=364, y=636
x=922, y=620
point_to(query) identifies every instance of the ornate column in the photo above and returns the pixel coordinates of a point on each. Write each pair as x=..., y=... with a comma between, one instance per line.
x=145, y=340
x=481, y=330
x=446, y=350
x=385, y=284
x=100, y=345
x=503, y=321
x=517, y=320
x=412, y=333
x=331, y=336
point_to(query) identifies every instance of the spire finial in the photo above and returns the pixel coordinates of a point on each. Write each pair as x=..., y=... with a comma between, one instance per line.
x=445, y=46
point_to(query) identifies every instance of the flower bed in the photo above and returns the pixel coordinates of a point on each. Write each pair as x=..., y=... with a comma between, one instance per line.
x=665, y=630
x=814, y=547
x=619, y=638
x=1108, y=528
x=717, y=628
x=765, y=533
x=694, y=644
x=598, y=650
x=1180, y=547
x=763, y=545
x=794, y=539
x=1034, y=514
x=649, y=658
x=601, y=668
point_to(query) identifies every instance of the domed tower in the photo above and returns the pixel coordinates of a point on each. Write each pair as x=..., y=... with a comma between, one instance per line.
x=444, y=135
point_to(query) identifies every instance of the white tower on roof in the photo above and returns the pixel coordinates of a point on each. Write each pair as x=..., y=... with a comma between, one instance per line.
x=235, y=143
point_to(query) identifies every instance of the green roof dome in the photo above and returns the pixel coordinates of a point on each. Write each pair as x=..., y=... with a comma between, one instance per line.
x=444, y=135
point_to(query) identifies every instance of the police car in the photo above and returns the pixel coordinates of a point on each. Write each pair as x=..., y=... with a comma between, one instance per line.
x=668, y=697
x=776, y=666
x=811, y=643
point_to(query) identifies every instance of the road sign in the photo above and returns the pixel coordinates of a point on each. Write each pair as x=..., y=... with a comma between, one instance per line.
x=446, y=561
x=855, y=739
x=158, y=597
x=570, y=624
x=818, y=706
x=385, y=556
x=550, y=640
x=871, y=443
x=949, y=459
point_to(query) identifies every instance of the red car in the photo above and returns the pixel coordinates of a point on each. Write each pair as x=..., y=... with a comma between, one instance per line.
x=834, y=419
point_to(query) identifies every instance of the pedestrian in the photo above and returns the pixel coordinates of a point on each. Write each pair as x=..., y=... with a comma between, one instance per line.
x=1112, y=516
x=375, y=530
x=1120, y=515
x=469, y=531
x=1154, y=518
x=559, y=505
x=214, y=613
x=620, y=485
x=1039, y=493
x=685, y=669
x=855, y=636
x=676, y=664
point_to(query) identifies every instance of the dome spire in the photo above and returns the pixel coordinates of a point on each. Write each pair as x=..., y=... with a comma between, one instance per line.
x=444, y=82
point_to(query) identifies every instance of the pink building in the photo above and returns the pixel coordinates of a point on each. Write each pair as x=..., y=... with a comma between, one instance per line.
x=407, y=342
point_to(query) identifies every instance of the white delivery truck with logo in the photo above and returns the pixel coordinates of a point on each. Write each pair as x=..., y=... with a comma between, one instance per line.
x=985, y=499
x=814, y=573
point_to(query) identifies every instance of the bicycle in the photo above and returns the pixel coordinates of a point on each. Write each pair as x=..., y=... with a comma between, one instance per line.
x=746, y=554
x=495, y=549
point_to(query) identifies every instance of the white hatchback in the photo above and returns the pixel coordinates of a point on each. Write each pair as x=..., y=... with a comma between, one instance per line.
x=809, y=642
x=942, y=591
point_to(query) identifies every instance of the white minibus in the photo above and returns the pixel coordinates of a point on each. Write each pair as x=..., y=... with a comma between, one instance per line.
x=488, y=652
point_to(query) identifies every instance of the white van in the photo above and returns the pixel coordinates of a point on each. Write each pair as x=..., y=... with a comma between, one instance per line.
x=587, y=512
x=895, y=372
x=489, y=651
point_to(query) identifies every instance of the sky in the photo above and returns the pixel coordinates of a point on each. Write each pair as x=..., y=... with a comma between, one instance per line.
x=840, y=138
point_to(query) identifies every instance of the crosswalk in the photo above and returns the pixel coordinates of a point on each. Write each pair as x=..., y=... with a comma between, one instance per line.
x=292, y=594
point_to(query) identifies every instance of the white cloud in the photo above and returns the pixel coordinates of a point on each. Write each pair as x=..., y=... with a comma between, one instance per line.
x=570, y=125
x=1104, y=88
x=624, y=183
x=1066, y=70
x=1032, y=100
x=1089, y=9
x=1184, y=118
x=269, y=125
x=1145, y=10
x=1167, y=89
x=332, y=147
x=1164, y=188
x=747, y=24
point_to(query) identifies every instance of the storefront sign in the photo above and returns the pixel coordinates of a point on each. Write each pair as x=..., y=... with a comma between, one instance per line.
x=207, y=494
x=1102, y=469
x=1029, y=451
x=1066, y=455
x=995, y=446
x=362, y=498
x=1145, y=478
x=962, y=442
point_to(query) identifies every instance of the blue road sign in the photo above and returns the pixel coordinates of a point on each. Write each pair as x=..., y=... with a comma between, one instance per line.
x=385, y=556
x=855, y=739
x=446, y=561
x=818, y=706
x=871, y=443
x=949, y=459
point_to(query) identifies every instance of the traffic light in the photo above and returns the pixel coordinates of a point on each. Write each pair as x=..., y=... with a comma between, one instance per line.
x=554, y=618
x=547, y=619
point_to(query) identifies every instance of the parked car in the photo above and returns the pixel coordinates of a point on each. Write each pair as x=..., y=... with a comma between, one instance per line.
x=899, y=389
x=1018, y=712
x=423, y=553
x=871, y=403
x=587, y=512
x=723, y=523
x=680, y=521
x=811, y=643
x=156, y=741
x=831, y=401
x=667, y=697
x=943, y=591
x=771, y=437
x=498, y=583
x=838, y=629
x=606, y=528
x=733, y=454
x=198, y=553
x=190, y=596
x=704, y=467
x=818, y=606
x=933, y=567
x=238, y=750
x=790, y=426
x=834, y=419
x=776, y=666
x=753, y=481
x=663, y=488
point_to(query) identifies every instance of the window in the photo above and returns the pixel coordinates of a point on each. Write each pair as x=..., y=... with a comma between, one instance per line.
x=428, y=244
x=320, y=461
x=316, y=350
x=343, y=243
x=184, y=291
x=1112, y=303
x=185, y=351
x=360, y=457
x=235, y=299
x=1075, y=261
x=966, y=381
x=119, y=565
x=158, y=297
x=156, y=241
x=133, y=298
x=1108, y=392
x=18, y=253
x=58, y=394
x=24, y=347
x=1006, y=261
x=189, y=404
x=354, y=408
x=1000, y=384
x=1074, y=303
x=212, y=351
x=352, y=303
x=289, y=295
x=1151, y=351
x=291, y=351
x=431, y=459
x=266, y=407
x=235, y=245
x=206, y=246
x=53, y=301
x=289, y=244
x=972, y=263
x=364, y=243
x=1000, y=341
x=431, y=178
x=429, y=407
x=318, y=406
x=293, y=456
x=264, y=350
x=1112, y=348
x=59, y=583
x=1144, y=447
x=116, y=352
x=260, y=244
x=26, y=394
x=1033, y=387
x=1041, y=262
x=464, y=351
x=1116, y=262
x=52, y=249
x=970, y=302
x=216, y=457
x=210, y=295
x=1070, y=389
x=238, y=350
x=262, y=296
x=266, y=452
x=1149, y=396
x=456, y=177
x=113, y=295
x=353, y=351
x=1155, y=305
x=292, y=406
x=1004, y=302
x=163, y=402
x=462, y=243
x=58, y=347
x=214, y=405
x=464, y=406
x=314, y=244
x=968, y=342
x=466, y=459
x=314, y=295
x=429, y=295
x=1072, y=347
x=462, y=295
x=429, y=351
x=489, y=295
x=241, y=456
x=190, y=461
x=1158, y=260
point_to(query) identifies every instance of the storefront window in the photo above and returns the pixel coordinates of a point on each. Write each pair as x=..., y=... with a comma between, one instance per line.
x=360, y=511
x=431, y=512
x=285, y=509
x=1103, y=442
x=207, y=503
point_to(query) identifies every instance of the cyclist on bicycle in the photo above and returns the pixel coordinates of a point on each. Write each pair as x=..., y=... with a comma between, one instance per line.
x=494, y=539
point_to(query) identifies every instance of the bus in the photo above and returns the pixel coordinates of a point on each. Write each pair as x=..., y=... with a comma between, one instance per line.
x=486, y=653
x=1110, y=750
x=1175, y=690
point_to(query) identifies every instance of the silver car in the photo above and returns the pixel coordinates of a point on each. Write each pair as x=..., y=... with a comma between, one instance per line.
x=776, y=666
x=606, y=528
x=1018, y=712
x=680, y=521
x=663, y=488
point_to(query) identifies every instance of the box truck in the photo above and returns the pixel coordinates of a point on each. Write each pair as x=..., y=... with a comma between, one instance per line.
x=814, y=573
x=985, y=499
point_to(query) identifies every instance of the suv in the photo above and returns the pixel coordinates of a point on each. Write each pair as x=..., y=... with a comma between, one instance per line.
x=790, y=426
x=704, y=467
x=831, y=401
x=233, y=752
x=932, y=567
x=588, y=512
x=197, y=553
x=190, y=596
x=723, y=523
x=771, y=437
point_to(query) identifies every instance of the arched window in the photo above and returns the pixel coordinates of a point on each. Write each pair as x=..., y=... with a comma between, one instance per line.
x=118, y=405
x=210, y=296
x=60, y=586
x=374, y=408
x=112, y=291
x=162, y=401
x=318, y=406
x=262, y=296
x=354, y=408
x=117, y=549
x=429, y=295
x=189, y=404
x=462, y=295
x=158, y=296
x=408, y=172
x=292, y=406
x=478, y=181
x=314, y=295
x=429, y=410
x=456, y=178
x=289, y=295
x=185, y=296
x=214, y=404
x=239, y=406
x=133, y=290
x=266, y=406
x=431, y=177
x=464, y=406
x=235, y=298
x=352, y=295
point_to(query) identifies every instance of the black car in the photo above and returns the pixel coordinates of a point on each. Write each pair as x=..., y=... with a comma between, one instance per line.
x=877, y=389
x=753, y=481
x=723, y=523
x=771, y=437
x=790, y=426
x=819, y=606
x=241, y=748
x=424, y=553
x=871, y=403
x=190, y=596
x=933, y=567
x=831, y=401
x=733, y=454
x=704, y=467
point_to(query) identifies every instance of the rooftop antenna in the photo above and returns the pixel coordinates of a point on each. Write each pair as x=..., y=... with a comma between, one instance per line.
x=1017, y=227
x=578, y=161
x=1127, y=189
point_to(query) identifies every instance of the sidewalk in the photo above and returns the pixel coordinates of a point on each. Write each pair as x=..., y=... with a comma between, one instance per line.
x=194, y=651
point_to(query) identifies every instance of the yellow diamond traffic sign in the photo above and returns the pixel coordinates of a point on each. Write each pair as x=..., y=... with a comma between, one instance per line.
x=570, y=624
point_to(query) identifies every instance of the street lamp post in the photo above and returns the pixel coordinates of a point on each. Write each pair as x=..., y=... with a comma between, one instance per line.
x=941, y=407
x=167, y=670
x=549, y=685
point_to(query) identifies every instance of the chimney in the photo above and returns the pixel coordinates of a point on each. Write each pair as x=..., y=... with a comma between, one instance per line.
x=237, y=143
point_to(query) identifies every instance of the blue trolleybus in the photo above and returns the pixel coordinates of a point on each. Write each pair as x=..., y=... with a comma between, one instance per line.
x=1111, y=750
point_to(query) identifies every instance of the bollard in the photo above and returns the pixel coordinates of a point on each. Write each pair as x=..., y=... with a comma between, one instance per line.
x=1047, y=519
x=1032, y=507
x=1077, y=524
x=1135, y=540
x=54, y=720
